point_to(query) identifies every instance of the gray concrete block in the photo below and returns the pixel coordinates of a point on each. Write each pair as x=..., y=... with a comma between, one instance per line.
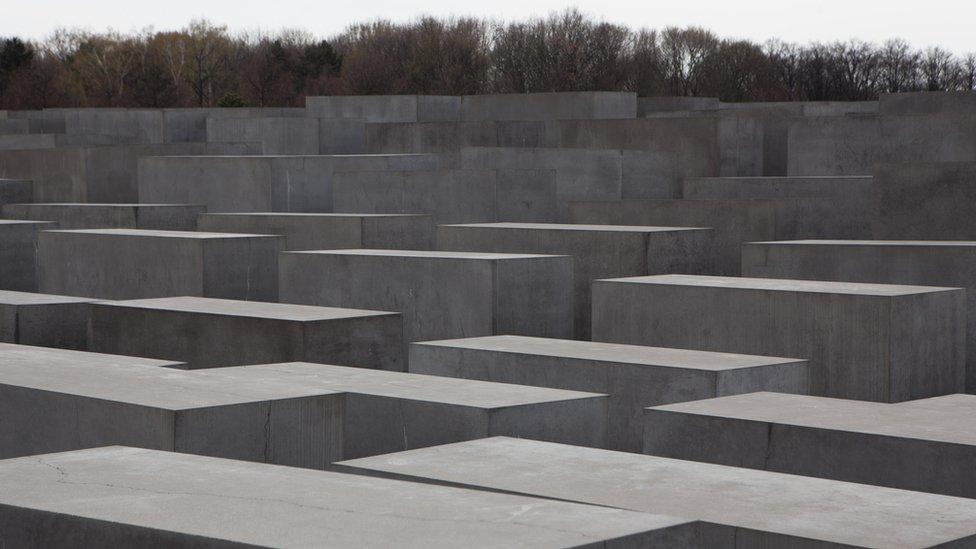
x=925, y=201
x=919, y=262
x=441, y=294
x=16, y=191
x=385, y=108
x=647, y=105
x=175, y=217
x=834, y=145
x=113, y=500
x=733, y=221
x=549, y=106
x=599, y=251
x=765, y=509
x=926, y=445
x=277, y=135
x=260, y=183
x=133, y=263
x=27, y=141
x=450, y=195
x=207, y=333
x=393, y=411
x=54, y=400
x=44, y=320
x=876, y=342
x=18, y=253
x=342, y=136
x=318, y=231
x=634, y=377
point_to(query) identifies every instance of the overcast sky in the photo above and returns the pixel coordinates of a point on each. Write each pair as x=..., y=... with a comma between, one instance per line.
x=950, y=24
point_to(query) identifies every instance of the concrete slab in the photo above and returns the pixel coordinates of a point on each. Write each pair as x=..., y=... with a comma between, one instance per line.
x=441, y=294
x=18, y=253
x=393, y=411
x=260, y=183
x=207, y=333
x=876, y=342
x=630, y=374
x=599, y=251
x=174, y=217
x=926, y=445
x=317, y=231
x=135, y=263
x=922, y=262
x=925, y=200
x=119, y=496
x=55, y=400
x=16, y=191
x=44, y=320
x=776, y=509
x=549, y=106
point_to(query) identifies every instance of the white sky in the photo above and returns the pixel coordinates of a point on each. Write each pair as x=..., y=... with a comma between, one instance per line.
x=948, y=23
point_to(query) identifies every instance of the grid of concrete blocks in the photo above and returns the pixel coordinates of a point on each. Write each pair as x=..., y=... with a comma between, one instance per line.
x=541, y=320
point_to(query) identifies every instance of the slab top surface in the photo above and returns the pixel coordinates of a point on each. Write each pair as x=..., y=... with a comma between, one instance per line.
x=782, y=285
x=578, y=227
x=945, y=419
x=9, y=297
x=610, y=352
x=105, y=205
x=892, y=243
x=446, y=390
x=254, y=309
x=425, y=254
x=311, y=215
x=139, y=381
x=267, y=505
x=814, y=508
x=195, y=235
x=24, y=222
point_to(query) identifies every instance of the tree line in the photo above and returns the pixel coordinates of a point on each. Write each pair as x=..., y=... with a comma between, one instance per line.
x=205, y=65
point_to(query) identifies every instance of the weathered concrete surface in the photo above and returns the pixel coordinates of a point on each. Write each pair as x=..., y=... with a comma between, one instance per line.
x=926, y=445
x=876, y=342
x=207, y=333
x=765, y=509
x=113, y=499
x=16, y=142
x=835, y=145
x=920, y=262
x=276, y=136
x=385, y=108
x=18, y=253
x=929, y=127
x=174, y=217
x=451, y=195
x=190, y=124
x=925, y=201
x=733, y=221
x=549, y=106
x=840, y=206
x=599, y=251
x=393, y=411
x=44, y=320
x=648, y=105
x=54, y=400
x=96, y=174
x=318, y=231
x=633, y=376
x=260, y=183
x=16, y=190
x=441, y=294
x=134, y=263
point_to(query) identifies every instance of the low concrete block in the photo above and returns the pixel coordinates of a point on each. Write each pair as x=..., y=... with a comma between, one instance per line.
x=54, y=400
x=927, y=445
x=393, y=411
x=44, y=320
x=631, y=375
x=441, y=294
x=16, y=191
x=876, y=342
x=921, y=262
x=173, y=217
x=763, y=509
x=316, y=231
x=206, y=333
x=113, y=500
x=18, y=253
x=599, y=251
x=133, y=263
